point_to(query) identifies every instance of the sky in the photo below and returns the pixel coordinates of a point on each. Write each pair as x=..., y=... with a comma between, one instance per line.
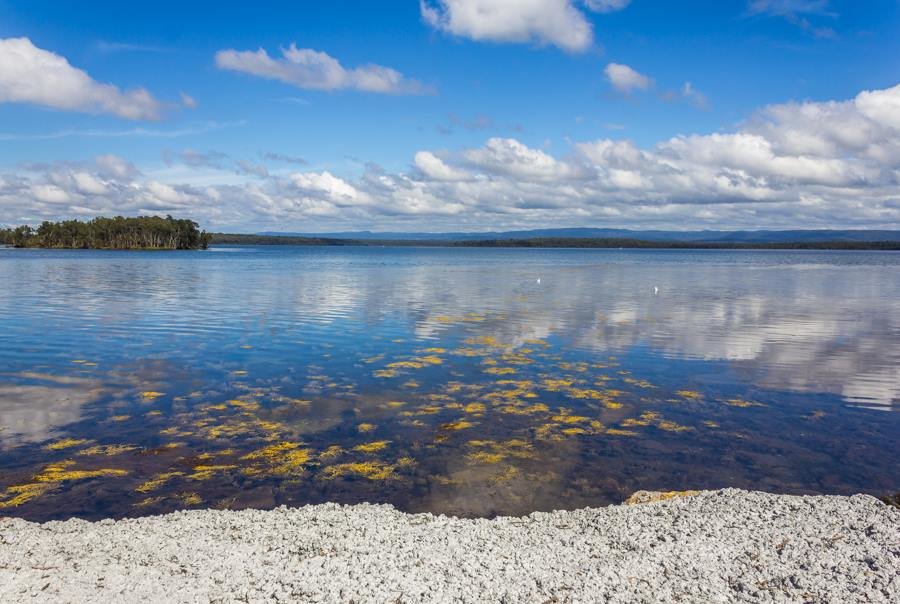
x=465, y=115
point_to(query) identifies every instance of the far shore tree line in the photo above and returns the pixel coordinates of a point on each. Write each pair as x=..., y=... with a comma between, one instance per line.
x=120, y=233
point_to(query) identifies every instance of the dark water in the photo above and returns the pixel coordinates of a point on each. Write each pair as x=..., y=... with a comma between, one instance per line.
x=471, y=382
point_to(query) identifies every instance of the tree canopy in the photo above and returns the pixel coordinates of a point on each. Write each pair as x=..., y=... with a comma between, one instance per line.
x=121, y=233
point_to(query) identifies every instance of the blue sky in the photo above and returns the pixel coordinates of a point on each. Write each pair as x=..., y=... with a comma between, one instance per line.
x=483, y=114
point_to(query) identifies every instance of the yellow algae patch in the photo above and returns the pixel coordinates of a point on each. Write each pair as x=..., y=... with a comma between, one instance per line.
x=151, y=394
x=672, y=426
x=618, y=432
x=500, y=370
x=331, y=452
x=710, y=424
x=435, y=350
x=191, y=499
x=612, y=405
x=148, y=501
x=585, y=393
x=689, y=394
x=457, y=425
x=474, y=408
x=489, y=341
x=495, y=452
x=79, y=361
x=120, y=418
x=248, y=405
x=644, y=420
x=107, y=450
x=373, y=359
x=405, y=365
x=555, y=385
x=638, y=383
x=272, y=451
x=204, y=472
x=573, y=431
x=395, y=404
x=385, y=373
x=18, y=494
x=373, y=446
x=372, y=470
x=428, y=410
x=157, y=481
x=485, y=457
x=239, y=372
x=737, y=402
x=153, y=413
x=410, y=384
x=430, y=360
x=364, y=427
x=65, y=443
x=59, y=472
x=565, y=418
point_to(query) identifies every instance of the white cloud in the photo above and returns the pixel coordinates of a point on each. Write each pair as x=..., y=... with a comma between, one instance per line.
x=693, y=96
x=188, y=101
x=29, y=74
x=625, y=79
x=307, y=68
x=556, y=22
x=434, y=168
x=809, y=165
x=606, y=6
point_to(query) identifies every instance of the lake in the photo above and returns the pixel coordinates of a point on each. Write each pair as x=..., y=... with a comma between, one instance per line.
x=472, y=382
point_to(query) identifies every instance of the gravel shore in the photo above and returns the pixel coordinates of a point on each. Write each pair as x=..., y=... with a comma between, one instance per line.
x=714, y=546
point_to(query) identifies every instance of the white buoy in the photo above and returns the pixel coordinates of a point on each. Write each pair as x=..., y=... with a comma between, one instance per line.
x=655, y=290
x=538, y=281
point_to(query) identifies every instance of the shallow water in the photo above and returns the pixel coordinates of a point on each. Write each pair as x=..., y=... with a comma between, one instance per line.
x=465, y=381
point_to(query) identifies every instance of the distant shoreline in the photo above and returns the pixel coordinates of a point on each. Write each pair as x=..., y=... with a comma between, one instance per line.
x=551, y=242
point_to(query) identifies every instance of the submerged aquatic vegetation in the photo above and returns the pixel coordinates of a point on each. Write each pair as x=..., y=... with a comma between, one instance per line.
x=372, y=447
x=618, y=432
x=61, y=472
x=500, y=370
x=692, y=395
x=157, y=481
x=66, y=443
x=151, y=394
x=205, y=472
x=107, y=450
x=671, y=426
x=372, y=470
x=16, y=495
x=737, y=402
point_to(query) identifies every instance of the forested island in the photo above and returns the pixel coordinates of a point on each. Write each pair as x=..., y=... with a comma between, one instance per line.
x=118, y=233
x=156, y=233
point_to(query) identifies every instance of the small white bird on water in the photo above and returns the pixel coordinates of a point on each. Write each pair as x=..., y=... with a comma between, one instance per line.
x=655, y=290
x=538, y=281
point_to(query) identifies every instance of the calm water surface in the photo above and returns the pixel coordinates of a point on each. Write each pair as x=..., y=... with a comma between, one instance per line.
x=472, y=382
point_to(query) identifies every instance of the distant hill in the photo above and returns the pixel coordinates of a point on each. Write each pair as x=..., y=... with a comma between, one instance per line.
x=796, y=236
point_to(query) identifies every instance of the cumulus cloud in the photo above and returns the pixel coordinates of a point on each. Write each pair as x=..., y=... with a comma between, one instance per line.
x=625, y=79
x=434, y=168
x=556, y=22
x=29, y=74
x=312, y=69
x=806, y=164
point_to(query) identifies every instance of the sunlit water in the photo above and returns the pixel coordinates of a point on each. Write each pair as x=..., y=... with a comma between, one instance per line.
x=464, y=381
